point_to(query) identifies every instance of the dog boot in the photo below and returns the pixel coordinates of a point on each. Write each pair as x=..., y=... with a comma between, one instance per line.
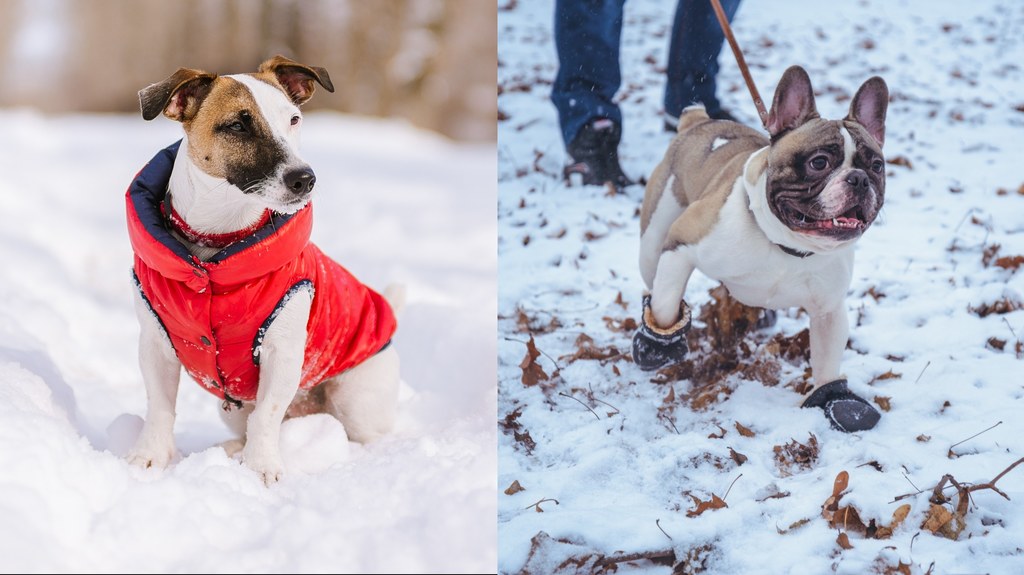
x=768, y=319
x=654, y=347
x=845, y=410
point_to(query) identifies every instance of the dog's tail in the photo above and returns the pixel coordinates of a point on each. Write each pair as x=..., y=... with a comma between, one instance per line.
x=395, y=294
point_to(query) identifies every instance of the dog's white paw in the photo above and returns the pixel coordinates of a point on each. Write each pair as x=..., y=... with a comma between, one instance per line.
x=147, y=455
x=268, y=466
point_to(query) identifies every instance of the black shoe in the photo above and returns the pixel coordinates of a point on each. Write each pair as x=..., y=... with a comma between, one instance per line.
x=654, y=347
x=594, y=154
x=845, y=410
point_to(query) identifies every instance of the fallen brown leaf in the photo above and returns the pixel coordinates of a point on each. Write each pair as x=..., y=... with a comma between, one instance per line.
x=900, y=161
x=720, y=435
x=514, y=488
x=1010, y=262
x=744, y=430
x=844, y=541
x=715, y=502
x=883, y=402
x=532, y=371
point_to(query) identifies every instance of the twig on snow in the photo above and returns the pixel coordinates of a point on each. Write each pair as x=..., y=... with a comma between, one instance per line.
x=658, y=523
x=536, y=505
x=950, y=453
x=922, y=371
x=563, y=394
x=730, y=486
x=542, y=352
x=595, y=398
x=651, y=555
x=941, y=485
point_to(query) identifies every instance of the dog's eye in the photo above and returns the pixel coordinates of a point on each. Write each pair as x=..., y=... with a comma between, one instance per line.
x=877, y=166
x=295, y=120
x=819, y=162
x=237, y=127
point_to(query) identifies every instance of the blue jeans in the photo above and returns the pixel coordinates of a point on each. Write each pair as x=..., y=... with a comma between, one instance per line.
x=587, y=34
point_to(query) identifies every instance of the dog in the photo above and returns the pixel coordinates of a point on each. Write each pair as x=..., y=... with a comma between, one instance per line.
x=228, y=284
x=775, y=220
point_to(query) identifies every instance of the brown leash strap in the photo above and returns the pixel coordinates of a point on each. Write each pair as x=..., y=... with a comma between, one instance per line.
x=761, y=111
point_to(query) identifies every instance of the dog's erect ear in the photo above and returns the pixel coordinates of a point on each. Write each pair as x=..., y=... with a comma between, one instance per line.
x=868, y=107
x=297, y=79
x=178, y=97
x=793, y=104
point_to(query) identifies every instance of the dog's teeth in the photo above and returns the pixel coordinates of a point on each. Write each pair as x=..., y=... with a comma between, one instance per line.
x=835, y=222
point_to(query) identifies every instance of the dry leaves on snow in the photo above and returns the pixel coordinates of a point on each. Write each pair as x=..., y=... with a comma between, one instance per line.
x=794, y=456
x=848, y=518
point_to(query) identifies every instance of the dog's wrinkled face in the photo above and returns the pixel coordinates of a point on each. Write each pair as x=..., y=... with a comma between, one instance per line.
x=832, y=184
x=826, y=179
x=245, y=128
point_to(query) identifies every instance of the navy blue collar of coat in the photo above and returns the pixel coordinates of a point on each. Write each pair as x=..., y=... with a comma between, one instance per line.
x=148, y=191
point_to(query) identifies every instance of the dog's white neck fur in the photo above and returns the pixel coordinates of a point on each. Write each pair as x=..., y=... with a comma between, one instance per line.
x=212, y=205
x=208, y=204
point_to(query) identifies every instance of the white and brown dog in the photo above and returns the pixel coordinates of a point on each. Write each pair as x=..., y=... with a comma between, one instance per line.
x=774, y=220
x=229, y=285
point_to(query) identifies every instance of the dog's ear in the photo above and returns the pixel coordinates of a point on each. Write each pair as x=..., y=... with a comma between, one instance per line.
x=178, y=97
x=793, y=103
x=297, y=79
x=868, y=107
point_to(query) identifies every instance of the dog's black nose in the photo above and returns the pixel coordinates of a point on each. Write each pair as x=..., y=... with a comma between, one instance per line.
x=300, y=181
x=859, y=180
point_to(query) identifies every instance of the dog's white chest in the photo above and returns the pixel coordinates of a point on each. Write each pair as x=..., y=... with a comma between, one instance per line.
x=759, y=273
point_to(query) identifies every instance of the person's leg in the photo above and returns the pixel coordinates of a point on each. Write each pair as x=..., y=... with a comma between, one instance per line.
x=696, y=42
x=587, y=36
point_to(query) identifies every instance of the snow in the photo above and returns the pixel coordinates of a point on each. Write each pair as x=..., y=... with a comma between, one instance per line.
x=623, y=473
x=394, y=204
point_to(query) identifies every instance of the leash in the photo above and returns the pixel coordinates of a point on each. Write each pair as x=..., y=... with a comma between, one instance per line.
x=724, y=22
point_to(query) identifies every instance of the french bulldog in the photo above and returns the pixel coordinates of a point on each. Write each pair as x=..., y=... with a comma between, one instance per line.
x=774, y=219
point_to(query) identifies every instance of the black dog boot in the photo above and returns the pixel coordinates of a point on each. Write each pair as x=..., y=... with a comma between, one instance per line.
x=845, y=410
x=654, y=347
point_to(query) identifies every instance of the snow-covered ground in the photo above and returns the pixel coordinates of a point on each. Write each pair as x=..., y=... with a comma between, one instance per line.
x=393, y=204
x=619, y=462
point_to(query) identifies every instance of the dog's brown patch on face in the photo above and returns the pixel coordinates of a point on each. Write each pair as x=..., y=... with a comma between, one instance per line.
x=229, y=137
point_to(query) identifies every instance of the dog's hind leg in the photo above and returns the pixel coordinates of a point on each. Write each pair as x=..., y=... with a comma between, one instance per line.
x=660, y=208
x=365, y=398
x=235, y=420
x=160, y=373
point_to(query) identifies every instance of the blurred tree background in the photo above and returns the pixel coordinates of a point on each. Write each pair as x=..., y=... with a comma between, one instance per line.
x=432, y=62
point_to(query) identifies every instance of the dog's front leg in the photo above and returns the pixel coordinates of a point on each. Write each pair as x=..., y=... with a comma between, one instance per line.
x=160, y=373
x=661, y=338
x=845, y=410
x=281, y=356
x=829, y=333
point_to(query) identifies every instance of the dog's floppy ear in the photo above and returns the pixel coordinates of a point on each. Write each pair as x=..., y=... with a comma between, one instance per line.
x=178, y=97
x=868, y=107
x=793, y=103
x=297, y=79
